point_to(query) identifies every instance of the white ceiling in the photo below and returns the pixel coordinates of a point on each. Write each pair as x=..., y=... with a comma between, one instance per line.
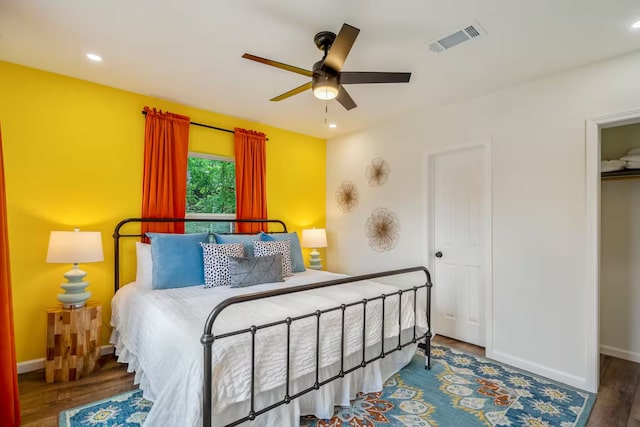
x=190, y=51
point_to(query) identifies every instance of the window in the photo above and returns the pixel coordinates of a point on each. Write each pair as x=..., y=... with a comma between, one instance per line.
x=211, y=192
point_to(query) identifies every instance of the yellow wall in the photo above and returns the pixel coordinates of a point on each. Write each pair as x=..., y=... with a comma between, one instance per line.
x=73, y=158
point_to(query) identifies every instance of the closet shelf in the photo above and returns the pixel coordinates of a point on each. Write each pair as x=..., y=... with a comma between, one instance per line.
x=621, y=174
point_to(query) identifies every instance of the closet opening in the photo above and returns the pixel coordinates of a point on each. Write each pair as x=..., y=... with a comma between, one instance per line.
x=613, y=241
x=620, y=242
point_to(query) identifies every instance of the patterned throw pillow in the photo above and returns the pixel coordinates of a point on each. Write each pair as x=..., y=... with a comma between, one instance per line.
x=271, y=248
x=216, y=262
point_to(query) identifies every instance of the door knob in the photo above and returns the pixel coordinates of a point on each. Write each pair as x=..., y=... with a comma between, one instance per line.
x=438, y=254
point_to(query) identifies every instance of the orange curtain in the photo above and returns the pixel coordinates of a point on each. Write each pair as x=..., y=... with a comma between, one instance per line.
x=164, y=179
x=9, y=403
x=251, y=178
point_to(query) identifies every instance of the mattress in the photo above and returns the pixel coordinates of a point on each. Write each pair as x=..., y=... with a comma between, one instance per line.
x=158, y=334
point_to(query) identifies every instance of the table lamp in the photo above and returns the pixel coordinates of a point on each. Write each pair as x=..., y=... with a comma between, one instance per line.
x=73, y=247
x=314, y=238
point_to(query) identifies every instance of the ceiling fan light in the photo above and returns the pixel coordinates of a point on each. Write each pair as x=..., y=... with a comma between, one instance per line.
x=325, y=91
x=325, y=86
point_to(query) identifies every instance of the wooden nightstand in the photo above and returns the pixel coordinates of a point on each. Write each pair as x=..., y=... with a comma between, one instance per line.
x=73, y=342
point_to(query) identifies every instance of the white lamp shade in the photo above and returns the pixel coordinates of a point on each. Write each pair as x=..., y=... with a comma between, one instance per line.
x=72, y=247
x=314, y=238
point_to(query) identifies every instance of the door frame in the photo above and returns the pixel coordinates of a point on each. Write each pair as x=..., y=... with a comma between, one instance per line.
x=429, y=253
x=592, y=261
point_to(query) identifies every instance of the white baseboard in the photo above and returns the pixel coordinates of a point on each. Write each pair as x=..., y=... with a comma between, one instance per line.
x=541, y=370
x=107, y=349
x=620, y=353
x=30, y=365
x=35, y=364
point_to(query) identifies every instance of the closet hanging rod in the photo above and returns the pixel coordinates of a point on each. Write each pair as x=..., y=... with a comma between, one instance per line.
x=144, y=113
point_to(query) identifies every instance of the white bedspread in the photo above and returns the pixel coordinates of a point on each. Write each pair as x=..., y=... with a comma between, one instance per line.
x=158, y=334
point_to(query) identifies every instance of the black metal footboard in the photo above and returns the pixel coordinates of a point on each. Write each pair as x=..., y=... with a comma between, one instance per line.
x=208, y=339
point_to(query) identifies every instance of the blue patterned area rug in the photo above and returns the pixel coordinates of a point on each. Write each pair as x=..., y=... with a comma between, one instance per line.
x=459, y=390
x=464, y=390
x=124, y=410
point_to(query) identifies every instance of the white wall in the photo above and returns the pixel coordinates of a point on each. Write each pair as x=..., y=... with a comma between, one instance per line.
x=537, y=131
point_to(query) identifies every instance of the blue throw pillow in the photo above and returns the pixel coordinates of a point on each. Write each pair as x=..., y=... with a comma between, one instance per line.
x=297, y=262
x=246, y=239
x=177, y=259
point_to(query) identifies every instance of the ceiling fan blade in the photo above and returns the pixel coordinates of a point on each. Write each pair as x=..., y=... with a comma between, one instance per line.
x=357, y=77
x=345, y=99
x=278, y=65
x=292, y=92
x=341, y=47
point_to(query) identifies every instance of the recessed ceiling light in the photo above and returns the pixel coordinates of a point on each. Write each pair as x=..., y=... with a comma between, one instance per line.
x=333, y=125
x=635, y=25
x=93, y=57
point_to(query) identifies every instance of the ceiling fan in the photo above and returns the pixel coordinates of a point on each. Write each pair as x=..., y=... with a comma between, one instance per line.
x=327, y=77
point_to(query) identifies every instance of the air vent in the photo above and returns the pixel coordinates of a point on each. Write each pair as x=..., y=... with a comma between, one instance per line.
x=472, y=31
x=454, y=39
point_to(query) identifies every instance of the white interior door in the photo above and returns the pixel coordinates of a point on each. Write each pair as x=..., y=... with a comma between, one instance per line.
x=458, y=208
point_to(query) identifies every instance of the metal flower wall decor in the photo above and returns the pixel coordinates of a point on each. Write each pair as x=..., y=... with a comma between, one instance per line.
x=383, y=230
x=378, y=172
x=347, y=196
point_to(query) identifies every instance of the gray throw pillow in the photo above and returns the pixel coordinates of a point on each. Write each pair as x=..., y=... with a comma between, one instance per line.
x=253, y=271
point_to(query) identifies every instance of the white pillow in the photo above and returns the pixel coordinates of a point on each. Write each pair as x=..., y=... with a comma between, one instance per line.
x=633, y=165
x=216, y=262
x=144, y=270
x=283, y=247
x=612, y=165
x=631, y=158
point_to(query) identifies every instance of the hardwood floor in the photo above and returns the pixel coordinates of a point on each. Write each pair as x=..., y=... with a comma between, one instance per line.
x=463, y=346
x=617, y=405
x=40, y=403
x=618, y=401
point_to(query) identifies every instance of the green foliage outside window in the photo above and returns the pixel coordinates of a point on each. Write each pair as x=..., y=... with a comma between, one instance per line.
x=211, y=189
x=211, y=186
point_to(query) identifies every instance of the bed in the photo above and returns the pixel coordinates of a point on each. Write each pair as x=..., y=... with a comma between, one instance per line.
x=266, y=354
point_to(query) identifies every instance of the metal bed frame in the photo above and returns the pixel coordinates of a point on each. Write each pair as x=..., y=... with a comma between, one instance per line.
x=208, y=338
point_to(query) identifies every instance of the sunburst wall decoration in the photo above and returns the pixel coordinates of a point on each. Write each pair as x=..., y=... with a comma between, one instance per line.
x=347, y=196
x=378, y=172
x=383, y=230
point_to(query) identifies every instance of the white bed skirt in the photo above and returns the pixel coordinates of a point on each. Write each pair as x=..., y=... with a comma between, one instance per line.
x=319, y=403
x=158, y=334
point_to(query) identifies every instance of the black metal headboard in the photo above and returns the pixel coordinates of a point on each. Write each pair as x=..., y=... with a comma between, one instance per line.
x=117, y=235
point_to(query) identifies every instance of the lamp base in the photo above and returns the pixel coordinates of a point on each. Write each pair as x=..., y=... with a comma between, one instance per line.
x=74, y=300
x=315, y=262
x=75, y=294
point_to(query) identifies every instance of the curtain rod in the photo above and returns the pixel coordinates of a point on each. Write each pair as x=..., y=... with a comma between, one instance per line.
x=144, y=113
